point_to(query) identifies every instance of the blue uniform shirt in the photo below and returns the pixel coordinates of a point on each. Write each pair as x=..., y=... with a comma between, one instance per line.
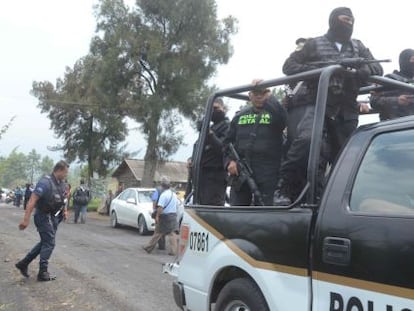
x=44, y=189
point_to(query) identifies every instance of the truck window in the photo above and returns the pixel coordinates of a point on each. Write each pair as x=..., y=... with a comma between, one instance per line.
x=385, y=180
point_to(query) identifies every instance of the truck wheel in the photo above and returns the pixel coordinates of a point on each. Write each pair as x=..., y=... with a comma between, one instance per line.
x=241, y=295
x=142, y=225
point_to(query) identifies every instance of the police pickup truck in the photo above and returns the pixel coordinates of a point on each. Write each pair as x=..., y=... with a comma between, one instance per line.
x=350, y=250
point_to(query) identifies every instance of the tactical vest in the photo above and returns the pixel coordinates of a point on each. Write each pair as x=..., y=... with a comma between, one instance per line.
x=396, y=111
x=54, y=200
x=267, y=141
x=346, y=90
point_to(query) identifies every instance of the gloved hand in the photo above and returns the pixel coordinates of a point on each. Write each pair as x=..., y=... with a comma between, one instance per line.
x=363, y=73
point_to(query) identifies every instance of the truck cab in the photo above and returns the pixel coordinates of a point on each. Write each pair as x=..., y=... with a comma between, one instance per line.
x=352, y=249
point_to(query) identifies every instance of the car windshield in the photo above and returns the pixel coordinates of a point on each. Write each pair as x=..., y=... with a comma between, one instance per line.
x=144, y=196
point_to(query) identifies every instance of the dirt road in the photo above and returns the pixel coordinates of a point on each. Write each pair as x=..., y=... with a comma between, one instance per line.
x=97, y=268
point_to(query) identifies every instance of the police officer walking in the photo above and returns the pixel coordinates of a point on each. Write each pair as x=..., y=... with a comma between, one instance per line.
x=256, y=133
x=397, y=103
x=342, y=110
x=48, y=198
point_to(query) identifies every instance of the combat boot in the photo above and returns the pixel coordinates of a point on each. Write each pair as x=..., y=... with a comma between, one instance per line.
x=281, y=196
x=22, y=268
x=44, y=276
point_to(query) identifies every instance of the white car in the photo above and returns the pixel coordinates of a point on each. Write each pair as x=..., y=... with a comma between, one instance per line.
x=133, y=207
x=4, y=194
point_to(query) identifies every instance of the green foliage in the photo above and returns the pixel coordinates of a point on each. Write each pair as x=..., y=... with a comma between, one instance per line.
x=79, y=114
x=151, y=62
x=94, y=204
x=160, y=56
x=18, y=169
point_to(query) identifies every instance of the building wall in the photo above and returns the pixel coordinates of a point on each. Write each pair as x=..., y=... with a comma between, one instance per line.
x=128, y=179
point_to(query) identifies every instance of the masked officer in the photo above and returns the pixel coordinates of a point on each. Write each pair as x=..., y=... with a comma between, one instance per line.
x=342, y=110
x=48, y=198
x=256, y=133
x=213, y=178
x=397, y=103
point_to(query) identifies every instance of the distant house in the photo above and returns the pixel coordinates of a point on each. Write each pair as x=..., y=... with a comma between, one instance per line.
x=130, y=172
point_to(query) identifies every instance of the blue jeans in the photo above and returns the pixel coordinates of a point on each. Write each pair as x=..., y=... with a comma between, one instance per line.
x=80, y=210
x=46, y=225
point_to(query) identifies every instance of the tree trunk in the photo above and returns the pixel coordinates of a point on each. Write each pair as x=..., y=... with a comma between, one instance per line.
x=151, y=155
x=90, y=151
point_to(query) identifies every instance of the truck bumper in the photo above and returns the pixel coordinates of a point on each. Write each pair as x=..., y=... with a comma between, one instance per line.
x=178, y=288
x=179, y=295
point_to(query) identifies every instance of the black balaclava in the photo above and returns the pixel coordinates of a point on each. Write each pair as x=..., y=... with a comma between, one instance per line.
x=406, y=68
x=339, y=31
x=218, y=116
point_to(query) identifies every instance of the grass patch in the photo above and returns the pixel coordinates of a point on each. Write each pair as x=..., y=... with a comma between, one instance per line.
x=94, y=204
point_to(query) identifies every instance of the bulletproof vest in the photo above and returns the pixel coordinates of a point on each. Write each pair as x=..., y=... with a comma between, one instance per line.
x=342, y=91
x=54, y=200
x=327, y=50
x=266, y=143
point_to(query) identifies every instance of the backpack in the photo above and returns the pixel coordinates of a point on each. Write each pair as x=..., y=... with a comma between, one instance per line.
x=81, y=196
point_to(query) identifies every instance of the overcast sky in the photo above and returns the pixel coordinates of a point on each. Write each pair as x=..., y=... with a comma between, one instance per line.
x=41, y=38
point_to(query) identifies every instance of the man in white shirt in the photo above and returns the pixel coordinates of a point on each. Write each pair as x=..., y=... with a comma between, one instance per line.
x=166, y=218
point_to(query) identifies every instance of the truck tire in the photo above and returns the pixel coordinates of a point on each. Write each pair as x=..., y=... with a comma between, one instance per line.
x=241, y=294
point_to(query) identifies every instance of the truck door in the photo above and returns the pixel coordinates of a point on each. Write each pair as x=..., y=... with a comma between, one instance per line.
x=363, y=256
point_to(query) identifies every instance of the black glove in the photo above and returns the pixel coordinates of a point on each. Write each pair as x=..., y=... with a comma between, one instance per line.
x=363, y=73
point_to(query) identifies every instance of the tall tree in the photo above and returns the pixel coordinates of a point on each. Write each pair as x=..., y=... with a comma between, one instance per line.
x=81, y=114
x=33, y=165
x=45, y=166
x=14, y=169
x=162, y=55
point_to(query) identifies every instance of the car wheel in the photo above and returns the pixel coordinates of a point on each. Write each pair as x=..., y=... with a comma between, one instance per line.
x=114, y=220
x=241, y=294
x=142, y=225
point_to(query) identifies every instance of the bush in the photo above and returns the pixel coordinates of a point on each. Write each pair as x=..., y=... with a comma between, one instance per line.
x=94, y=204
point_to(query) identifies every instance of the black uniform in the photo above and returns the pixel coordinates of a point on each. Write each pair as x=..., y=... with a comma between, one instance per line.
x=386, y=103
x=213, y=179
x=342, y=109
x=260, y=145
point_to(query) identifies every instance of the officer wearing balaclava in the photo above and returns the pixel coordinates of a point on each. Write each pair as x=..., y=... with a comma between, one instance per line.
x=397, y=103
x=406, y=60
x=341, y=110
x=213, y=177
x=341, y=25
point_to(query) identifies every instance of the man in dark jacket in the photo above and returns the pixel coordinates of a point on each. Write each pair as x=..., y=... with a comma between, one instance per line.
x=342, y=109
x=397, y=103
x=256, y=133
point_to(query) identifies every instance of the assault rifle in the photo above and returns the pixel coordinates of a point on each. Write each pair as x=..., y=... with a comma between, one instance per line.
x=246, y=174
x=355, y=63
